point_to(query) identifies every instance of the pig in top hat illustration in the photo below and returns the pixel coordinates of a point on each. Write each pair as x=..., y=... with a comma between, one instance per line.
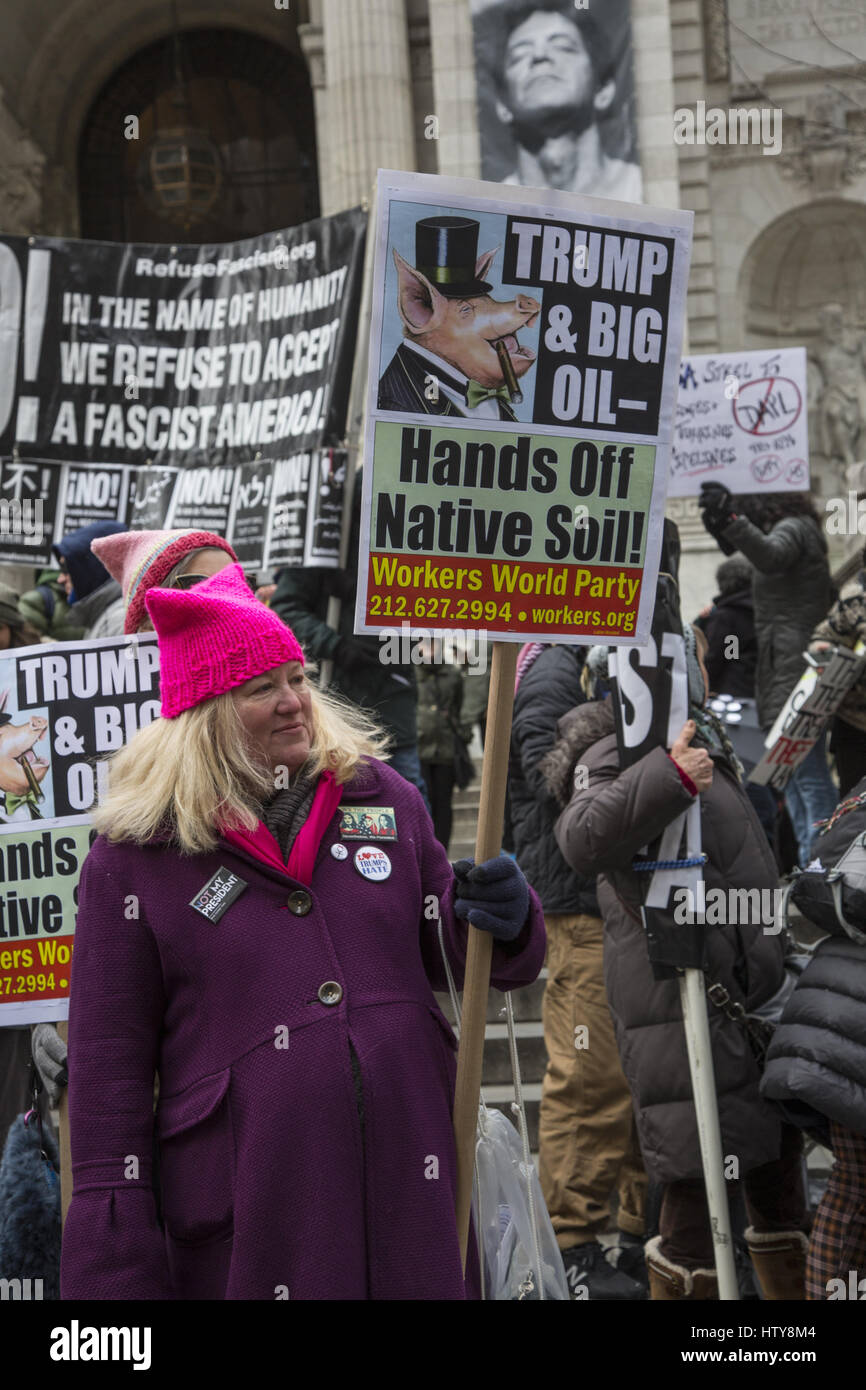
x=460, y=353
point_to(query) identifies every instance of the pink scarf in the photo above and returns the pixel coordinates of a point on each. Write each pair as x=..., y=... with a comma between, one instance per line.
x=302, y=858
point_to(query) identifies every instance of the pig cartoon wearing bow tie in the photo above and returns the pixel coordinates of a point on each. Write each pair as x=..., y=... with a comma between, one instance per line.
x=460, y=353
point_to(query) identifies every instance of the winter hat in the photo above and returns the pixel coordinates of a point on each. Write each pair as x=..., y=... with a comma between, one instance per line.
x=526, y=658
x=734, y=574
x=142, y=560
x=86, y=570
x=9, y=611
x=594, y=677
x=214, y=637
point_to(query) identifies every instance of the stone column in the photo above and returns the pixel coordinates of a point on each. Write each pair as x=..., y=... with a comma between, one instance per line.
x=654, y=95
x=368, y=108
x=454, y=88
x=22, y=166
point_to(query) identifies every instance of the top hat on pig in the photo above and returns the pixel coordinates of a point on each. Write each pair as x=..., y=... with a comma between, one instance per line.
x=448, y=363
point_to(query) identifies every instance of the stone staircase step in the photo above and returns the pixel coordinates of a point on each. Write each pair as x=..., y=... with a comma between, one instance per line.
x=531, y=1054
x=526, y=1002
x=463, y=816
x=500, y=1097
x=467, y=796
x=461, y=849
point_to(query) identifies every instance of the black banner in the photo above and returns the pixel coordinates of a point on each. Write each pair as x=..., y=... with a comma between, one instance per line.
x=224, y=360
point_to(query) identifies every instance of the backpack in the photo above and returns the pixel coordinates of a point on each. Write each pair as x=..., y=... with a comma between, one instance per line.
x=831, y=891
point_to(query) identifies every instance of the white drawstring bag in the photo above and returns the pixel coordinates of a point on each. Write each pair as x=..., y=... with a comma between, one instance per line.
x=518, y=1251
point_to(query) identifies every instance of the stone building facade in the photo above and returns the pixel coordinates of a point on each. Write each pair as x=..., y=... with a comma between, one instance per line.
x=776, y=237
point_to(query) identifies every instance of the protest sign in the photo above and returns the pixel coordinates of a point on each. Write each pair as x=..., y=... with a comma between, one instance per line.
x=63, y=708
x=543, y=331
x=221, y=360
x=741, y=420
x=804, y=715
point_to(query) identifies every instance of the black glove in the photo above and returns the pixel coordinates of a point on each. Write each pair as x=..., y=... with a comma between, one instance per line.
x=717, y=513
x=350, y=654
x=717, y=506
x=493, y=896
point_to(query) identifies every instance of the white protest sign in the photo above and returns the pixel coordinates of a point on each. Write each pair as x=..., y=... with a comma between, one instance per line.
x=741, y=421
x=817, y=695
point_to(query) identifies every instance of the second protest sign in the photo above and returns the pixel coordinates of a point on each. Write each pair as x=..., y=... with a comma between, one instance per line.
x=544, y=333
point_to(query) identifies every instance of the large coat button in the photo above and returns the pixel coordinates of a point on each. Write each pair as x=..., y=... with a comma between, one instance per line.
x=330, y=992
x=300, y=902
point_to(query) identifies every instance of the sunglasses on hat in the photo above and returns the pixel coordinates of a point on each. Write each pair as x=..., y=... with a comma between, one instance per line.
x=187, y=581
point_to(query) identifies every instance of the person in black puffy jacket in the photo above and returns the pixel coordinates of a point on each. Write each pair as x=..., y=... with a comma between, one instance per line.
x=817, y=1063
x=587, y=1139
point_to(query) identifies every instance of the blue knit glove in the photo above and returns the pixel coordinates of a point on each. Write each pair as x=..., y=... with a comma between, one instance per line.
x=493, y=896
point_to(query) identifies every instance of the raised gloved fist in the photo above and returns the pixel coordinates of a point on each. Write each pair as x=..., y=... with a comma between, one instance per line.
x=49, y=1058
x=717, y=513
x=716, y=503
x=493, y=896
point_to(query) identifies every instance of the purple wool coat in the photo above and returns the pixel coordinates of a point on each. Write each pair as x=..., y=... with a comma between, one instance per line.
x=275, y=1182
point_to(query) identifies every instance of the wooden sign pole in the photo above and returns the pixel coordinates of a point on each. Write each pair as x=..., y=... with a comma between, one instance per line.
x=65, y=1150
x=491, y=813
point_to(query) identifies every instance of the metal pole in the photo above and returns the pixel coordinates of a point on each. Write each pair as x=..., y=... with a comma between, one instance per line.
x=696, y=1024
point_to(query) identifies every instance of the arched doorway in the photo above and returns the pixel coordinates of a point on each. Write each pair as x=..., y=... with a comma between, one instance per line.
x=253, y=102
x=813, y=256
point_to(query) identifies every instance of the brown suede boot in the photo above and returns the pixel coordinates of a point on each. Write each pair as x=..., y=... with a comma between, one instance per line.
x=669, y=1281
x=779, y=1258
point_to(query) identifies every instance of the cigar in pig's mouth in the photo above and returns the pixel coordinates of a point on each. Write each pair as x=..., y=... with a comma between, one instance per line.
x=503, y=348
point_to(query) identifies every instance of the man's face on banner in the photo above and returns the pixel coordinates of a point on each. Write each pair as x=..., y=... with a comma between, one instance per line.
x=548, y=70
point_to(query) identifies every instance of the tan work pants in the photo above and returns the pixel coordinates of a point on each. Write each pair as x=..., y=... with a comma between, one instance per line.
x=587, y=1137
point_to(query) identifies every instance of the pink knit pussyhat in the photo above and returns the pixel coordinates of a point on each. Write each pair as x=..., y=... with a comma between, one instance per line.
x=214, y=637
x=143, y=559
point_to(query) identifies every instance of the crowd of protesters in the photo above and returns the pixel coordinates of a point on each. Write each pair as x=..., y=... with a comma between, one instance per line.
x=171, y=1054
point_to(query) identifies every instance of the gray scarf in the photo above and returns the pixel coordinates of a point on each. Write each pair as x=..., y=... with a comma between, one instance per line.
x=285, y=812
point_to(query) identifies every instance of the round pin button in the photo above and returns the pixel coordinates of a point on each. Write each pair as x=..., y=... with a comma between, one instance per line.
x=330, y=992
x=339, y=851
x=372, y=862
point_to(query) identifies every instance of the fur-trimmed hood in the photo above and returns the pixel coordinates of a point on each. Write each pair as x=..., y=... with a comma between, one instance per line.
x=577, y=731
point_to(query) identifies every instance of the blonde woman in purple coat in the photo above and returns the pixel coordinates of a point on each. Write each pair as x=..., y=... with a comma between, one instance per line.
x=277, y=972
